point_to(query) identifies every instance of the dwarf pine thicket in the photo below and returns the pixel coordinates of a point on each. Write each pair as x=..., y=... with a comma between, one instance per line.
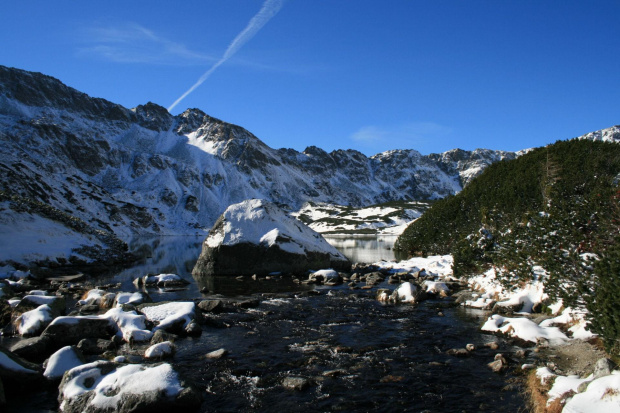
x=556, y=207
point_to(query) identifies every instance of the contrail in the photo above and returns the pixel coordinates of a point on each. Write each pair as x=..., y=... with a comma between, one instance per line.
x=270, y=8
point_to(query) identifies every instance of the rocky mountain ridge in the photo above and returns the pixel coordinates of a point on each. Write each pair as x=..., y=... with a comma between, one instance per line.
x=144, y=171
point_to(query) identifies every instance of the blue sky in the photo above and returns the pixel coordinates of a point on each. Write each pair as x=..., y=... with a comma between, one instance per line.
x=342, y=74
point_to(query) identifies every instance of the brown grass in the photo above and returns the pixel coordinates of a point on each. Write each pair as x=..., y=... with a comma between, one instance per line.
x=609, y=392
x=537, y=395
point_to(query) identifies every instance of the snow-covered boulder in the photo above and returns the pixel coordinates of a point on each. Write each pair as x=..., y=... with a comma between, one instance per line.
x=132, y=326
x=405, y=293
x=56, y=303
x=64, y=359
x=523, y=328
x=104, y=386
x=15, y=370
x=172, y=317
x=65, y=331
x=257, y=237
x=160, y=350
x=325, y=276
x=32, y=322
x=131, y=298
x=98, y=297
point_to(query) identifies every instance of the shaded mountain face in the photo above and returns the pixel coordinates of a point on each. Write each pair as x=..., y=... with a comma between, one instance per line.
x=143, y=171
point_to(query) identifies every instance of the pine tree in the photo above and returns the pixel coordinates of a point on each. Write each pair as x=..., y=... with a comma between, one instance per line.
x=603, y=307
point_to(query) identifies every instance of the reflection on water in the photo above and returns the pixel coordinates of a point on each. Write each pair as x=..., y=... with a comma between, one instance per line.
x=232, y=286
x=161, y=255
x=178, y=255
x=366, y=248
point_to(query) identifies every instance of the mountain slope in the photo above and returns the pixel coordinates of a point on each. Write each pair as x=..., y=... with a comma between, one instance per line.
x=555, y=208
x=144, y=171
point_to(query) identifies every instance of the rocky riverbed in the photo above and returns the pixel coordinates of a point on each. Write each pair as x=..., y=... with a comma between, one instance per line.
x=381, y=338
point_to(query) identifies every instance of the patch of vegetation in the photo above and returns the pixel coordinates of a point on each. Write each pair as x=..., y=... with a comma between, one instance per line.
x=555, y=207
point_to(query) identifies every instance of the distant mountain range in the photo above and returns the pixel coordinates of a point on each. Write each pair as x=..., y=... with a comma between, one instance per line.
x=143, y=171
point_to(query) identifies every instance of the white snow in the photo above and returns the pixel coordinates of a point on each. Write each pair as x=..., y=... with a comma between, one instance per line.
x=161, y=278
x=545, y=375
x=436, y=265
x=26, y=237
x=168, y=314
x=525, y=296
x=7, y=363
x=129, y=298
x=346, y=219
x=563, y=385
x=64, y=359
x=601, y=396
x=575, y=318
x=257, y=221
x=34, y=321
x=159, y=350
x=328, y=275
x=131, y=325
x=93, y=296
x=406, y=292
x=436, y=287
x=126, y=380
x=523, y=328
x=41, y=299
x=69, y=320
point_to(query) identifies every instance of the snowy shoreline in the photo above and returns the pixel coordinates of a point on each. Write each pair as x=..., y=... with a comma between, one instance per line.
x=544, y=336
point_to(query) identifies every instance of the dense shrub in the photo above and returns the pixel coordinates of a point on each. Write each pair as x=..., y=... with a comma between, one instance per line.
x=555, y=207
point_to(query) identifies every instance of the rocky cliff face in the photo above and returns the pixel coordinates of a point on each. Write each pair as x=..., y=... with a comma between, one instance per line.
x=144, y=171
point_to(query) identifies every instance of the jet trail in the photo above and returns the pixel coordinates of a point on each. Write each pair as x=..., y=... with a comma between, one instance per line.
x=270, y=8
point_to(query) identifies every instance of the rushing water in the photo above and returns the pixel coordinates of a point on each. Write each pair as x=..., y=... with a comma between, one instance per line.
x=356, y=354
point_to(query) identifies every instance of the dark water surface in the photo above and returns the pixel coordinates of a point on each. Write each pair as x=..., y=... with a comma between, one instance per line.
x=356, y=354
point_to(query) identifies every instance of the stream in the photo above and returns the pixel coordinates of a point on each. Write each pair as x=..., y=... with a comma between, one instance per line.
x=353, y=353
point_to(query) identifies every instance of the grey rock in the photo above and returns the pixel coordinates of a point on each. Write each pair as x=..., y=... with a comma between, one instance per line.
x=499, y=365
x=211, y=306
x=216, y=354
x=296, y=383
x=35, y=349
x=583, y=386
x=493, y=345
x=193, y=329
x=121, y=399
x=603, y=367
x=28, y=303
x=374, y=278
x=17, y=371
x=159, y=336
x=459, y=352
x=247, y=258
x=90, y=346
x=64, y=331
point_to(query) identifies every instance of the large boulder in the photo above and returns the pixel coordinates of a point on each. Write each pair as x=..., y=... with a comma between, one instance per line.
x=66, y=331
x=257, y=237
x=18, y=372
x=104, y=386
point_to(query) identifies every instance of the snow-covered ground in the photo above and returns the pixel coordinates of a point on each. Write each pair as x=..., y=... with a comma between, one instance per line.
x=391, y=218
x=601, y=395
x=28, y=237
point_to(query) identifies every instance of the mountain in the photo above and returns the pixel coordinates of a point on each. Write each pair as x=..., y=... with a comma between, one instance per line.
x=143, y=171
